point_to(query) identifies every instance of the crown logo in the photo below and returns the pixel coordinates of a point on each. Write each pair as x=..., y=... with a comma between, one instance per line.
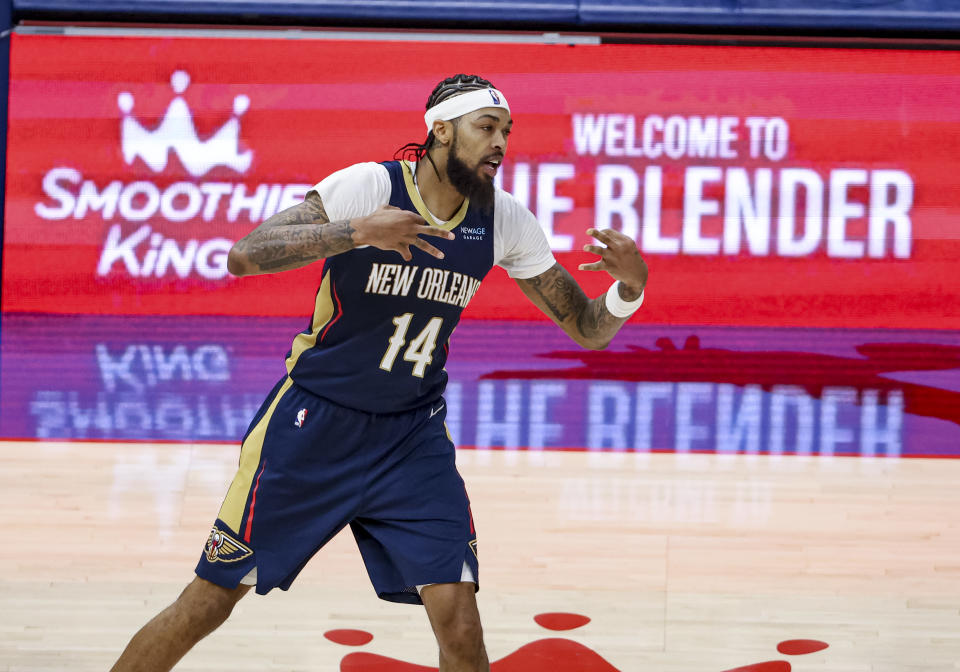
x=177, y=132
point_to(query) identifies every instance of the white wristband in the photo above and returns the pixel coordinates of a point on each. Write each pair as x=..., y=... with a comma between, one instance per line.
x=617, y=306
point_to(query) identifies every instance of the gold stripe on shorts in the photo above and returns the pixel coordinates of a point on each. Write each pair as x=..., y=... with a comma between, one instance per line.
x=231, y=512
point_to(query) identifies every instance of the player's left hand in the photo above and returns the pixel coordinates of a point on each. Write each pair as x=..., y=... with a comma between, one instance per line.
x=620, y=258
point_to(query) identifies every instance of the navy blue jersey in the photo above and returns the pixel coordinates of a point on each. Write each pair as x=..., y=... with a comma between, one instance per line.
x=378, y=338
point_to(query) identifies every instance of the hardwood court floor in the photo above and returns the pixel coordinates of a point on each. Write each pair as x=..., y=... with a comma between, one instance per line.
x=683, y=563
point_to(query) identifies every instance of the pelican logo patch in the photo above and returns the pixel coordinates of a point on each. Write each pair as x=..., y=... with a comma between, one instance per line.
x=221, y=547
x=473, y=547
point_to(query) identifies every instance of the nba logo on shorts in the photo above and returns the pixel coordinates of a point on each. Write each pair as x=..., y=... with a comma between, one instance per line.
x=496, y=98
x=301, y=416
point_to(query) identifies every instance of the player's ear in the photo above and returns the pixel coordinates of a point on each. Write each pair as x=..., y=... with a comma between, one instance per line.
x=443, y=131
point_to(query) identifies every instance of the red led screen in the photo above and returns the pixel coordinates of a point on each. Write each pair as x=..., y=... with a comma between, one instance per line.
x=765, y=186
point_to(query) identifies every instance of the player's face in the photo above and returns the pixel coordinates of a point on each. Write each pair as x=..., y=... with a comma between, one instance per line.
x=483, y=139
x=479, y=144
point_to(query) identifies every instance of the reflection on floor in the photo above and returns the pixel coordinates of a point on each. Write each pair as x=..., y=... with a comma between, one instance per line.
x=713, y=390
x=684, y=501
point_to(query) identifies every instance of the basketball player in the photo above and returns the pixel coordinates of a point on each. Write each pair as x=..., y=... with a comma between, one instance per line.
x=354, y=433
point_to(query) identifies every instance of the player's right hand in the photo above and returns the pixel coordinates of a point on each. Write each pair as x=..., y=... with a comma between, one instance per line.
x=391, y=228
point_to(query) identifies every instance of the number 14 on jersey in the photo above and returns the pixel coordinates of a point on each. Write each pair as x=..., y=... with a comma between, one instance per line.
x=420, y=349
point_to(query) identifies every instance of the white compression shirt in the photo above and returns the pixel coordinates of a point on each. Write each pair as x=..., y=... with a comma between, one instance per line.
x=519, y=244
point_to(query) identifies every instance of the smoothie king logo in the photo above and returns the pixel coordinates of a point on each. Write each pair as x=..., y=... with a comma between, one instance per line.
x=178, y=133
x=139, y=243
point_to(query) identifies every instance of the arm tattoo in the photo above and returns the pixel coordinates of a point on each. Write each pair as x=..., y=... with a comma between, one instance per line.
x=559, y=292
x=597, y=322
x=587, y=321
x=296, y=237
x=278, y=250
x=311, y=211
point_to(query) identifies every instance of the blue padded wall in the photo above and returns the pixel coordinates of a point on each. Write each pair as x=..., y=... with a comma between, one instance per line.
x=802, y=14
x=938, y=15
x=472, y=11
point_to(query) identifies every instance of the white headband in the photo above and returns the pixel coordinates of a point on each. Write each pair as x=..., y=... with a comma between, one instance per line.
x=464, y=104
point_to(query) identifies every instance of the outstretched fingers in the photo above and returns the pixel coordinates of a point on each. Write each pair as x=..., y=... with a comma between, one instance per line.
x=619, y=256
x=614, y=246
x=605, y=236
x=418, y=242
x=391, y=228
x=435, y=231
x=600, y=265
x=426, y=247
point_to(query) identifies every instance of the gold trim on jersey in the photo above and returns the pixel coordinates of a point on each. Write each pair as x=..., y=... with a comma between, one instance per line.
x=231, y=512
x=422, y=207
x=322, y=312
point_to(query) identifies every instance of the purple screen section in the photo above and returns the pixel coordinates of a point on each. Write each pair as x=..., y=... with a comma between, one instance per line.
x=512, y=385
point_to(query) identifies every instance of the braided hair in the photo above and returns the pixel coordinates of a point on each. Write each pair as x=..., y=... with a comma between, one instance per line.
x=448, y=88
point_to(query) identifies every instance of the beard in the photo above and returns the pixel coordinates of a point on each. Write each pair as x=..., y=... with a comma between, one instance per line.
x=478, y=188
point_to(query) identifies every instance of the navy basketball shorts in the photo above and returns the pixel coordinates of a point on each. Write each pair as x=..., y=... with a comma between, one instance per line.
x=309, y=467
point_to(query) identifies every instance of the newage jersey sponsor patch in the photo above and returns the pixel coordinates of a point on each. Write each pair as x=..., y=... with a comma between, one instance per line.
x=430, y=284
x=473, y=232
